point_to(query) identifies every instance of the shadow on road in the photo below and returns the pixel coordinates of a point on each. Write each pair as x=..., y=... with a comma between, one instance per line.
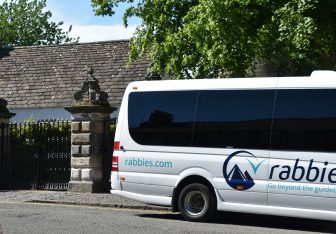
x=267, y=221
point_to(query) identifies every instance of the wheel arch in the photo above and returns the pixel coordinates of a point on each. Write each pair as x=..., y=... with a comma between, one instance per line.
x=189, y=179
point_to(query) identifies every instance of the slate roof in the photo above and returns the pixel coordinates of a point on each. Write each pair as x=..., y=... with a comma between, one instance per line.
x=48, y=76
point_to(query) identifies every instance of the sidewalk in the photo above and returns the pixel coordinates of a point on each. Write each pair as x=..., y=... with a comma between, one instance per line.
x=80, y=199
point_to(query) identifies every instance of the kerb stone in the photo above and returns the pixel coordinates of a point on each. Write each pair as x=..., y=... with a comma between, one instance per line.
x=84, y=187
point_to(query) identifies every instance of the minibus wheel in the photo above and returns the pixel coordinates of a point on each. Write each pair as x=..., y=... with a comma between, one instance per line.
x=197, y=202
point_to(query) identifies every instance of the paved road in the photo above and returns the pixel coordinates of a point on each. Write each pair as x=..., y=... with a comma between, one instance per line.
x=39, y=218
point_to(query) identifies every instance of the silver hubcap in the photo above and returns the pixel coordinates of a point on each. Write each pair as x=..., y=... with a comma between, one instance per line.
x=194, y=203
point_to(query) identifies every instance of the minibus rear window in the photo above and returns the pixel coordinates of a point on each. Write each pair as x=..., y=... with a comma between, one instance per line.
x=162, y=118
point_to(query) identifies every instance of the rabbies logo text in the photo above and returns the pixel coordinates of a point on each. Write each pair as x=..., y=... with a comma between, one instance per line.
x=308, y=171
x=234, y=176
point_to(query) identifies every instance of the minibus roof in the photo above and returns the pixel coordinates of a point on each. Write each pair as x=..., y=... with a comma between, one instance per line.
x=318, y=79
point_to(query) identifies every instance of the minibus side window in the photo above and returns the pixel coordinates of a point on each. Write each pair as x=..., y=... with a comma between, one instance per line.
x=162, y=118
x=305, y=120
x=234, y=119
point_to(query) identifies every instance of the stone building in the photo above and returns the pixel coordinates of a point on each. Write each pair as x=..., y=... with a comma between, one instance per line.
x=39, y=81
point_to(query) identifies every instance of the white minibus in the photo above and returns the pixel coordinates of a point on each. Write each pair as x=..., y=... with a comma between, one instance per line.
x=254, y=145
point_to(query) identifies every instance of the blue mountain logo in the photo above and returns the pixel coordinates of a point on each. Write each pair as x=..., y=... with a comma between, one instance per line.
x=236, y=179
x=239, y=180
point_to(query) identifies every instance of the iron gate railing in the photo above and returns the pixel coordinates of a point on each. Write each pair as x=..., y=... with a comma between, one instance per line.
x=108, y=140
x=39, y=156
x=3, y=150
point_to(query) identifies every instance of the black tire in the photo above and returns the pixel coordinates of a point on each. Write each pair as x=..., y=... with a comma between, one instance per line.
x=197, y=202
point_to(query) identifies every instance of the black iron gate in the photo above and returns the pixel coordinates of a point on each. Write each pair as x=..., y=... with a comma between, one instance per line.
x=108, y=139
x=39, y=156
x=3, y=150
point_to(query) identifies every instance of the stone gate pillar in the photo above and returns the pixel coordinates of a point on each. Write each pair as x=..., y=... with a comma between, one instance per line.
x=5, y=116
x=90, y=112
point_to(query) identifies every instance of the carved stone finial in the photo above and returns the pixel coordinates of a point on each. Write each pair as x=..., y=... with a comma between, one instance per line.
x=4, y=112
x=3, y=105
x=90, y=92
x=153, y=76
x=89, y=70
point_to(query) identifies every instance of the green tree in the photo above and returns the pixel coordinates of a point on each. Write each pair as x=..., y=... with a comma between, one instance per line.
x=199, y=38
x=24, y=23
